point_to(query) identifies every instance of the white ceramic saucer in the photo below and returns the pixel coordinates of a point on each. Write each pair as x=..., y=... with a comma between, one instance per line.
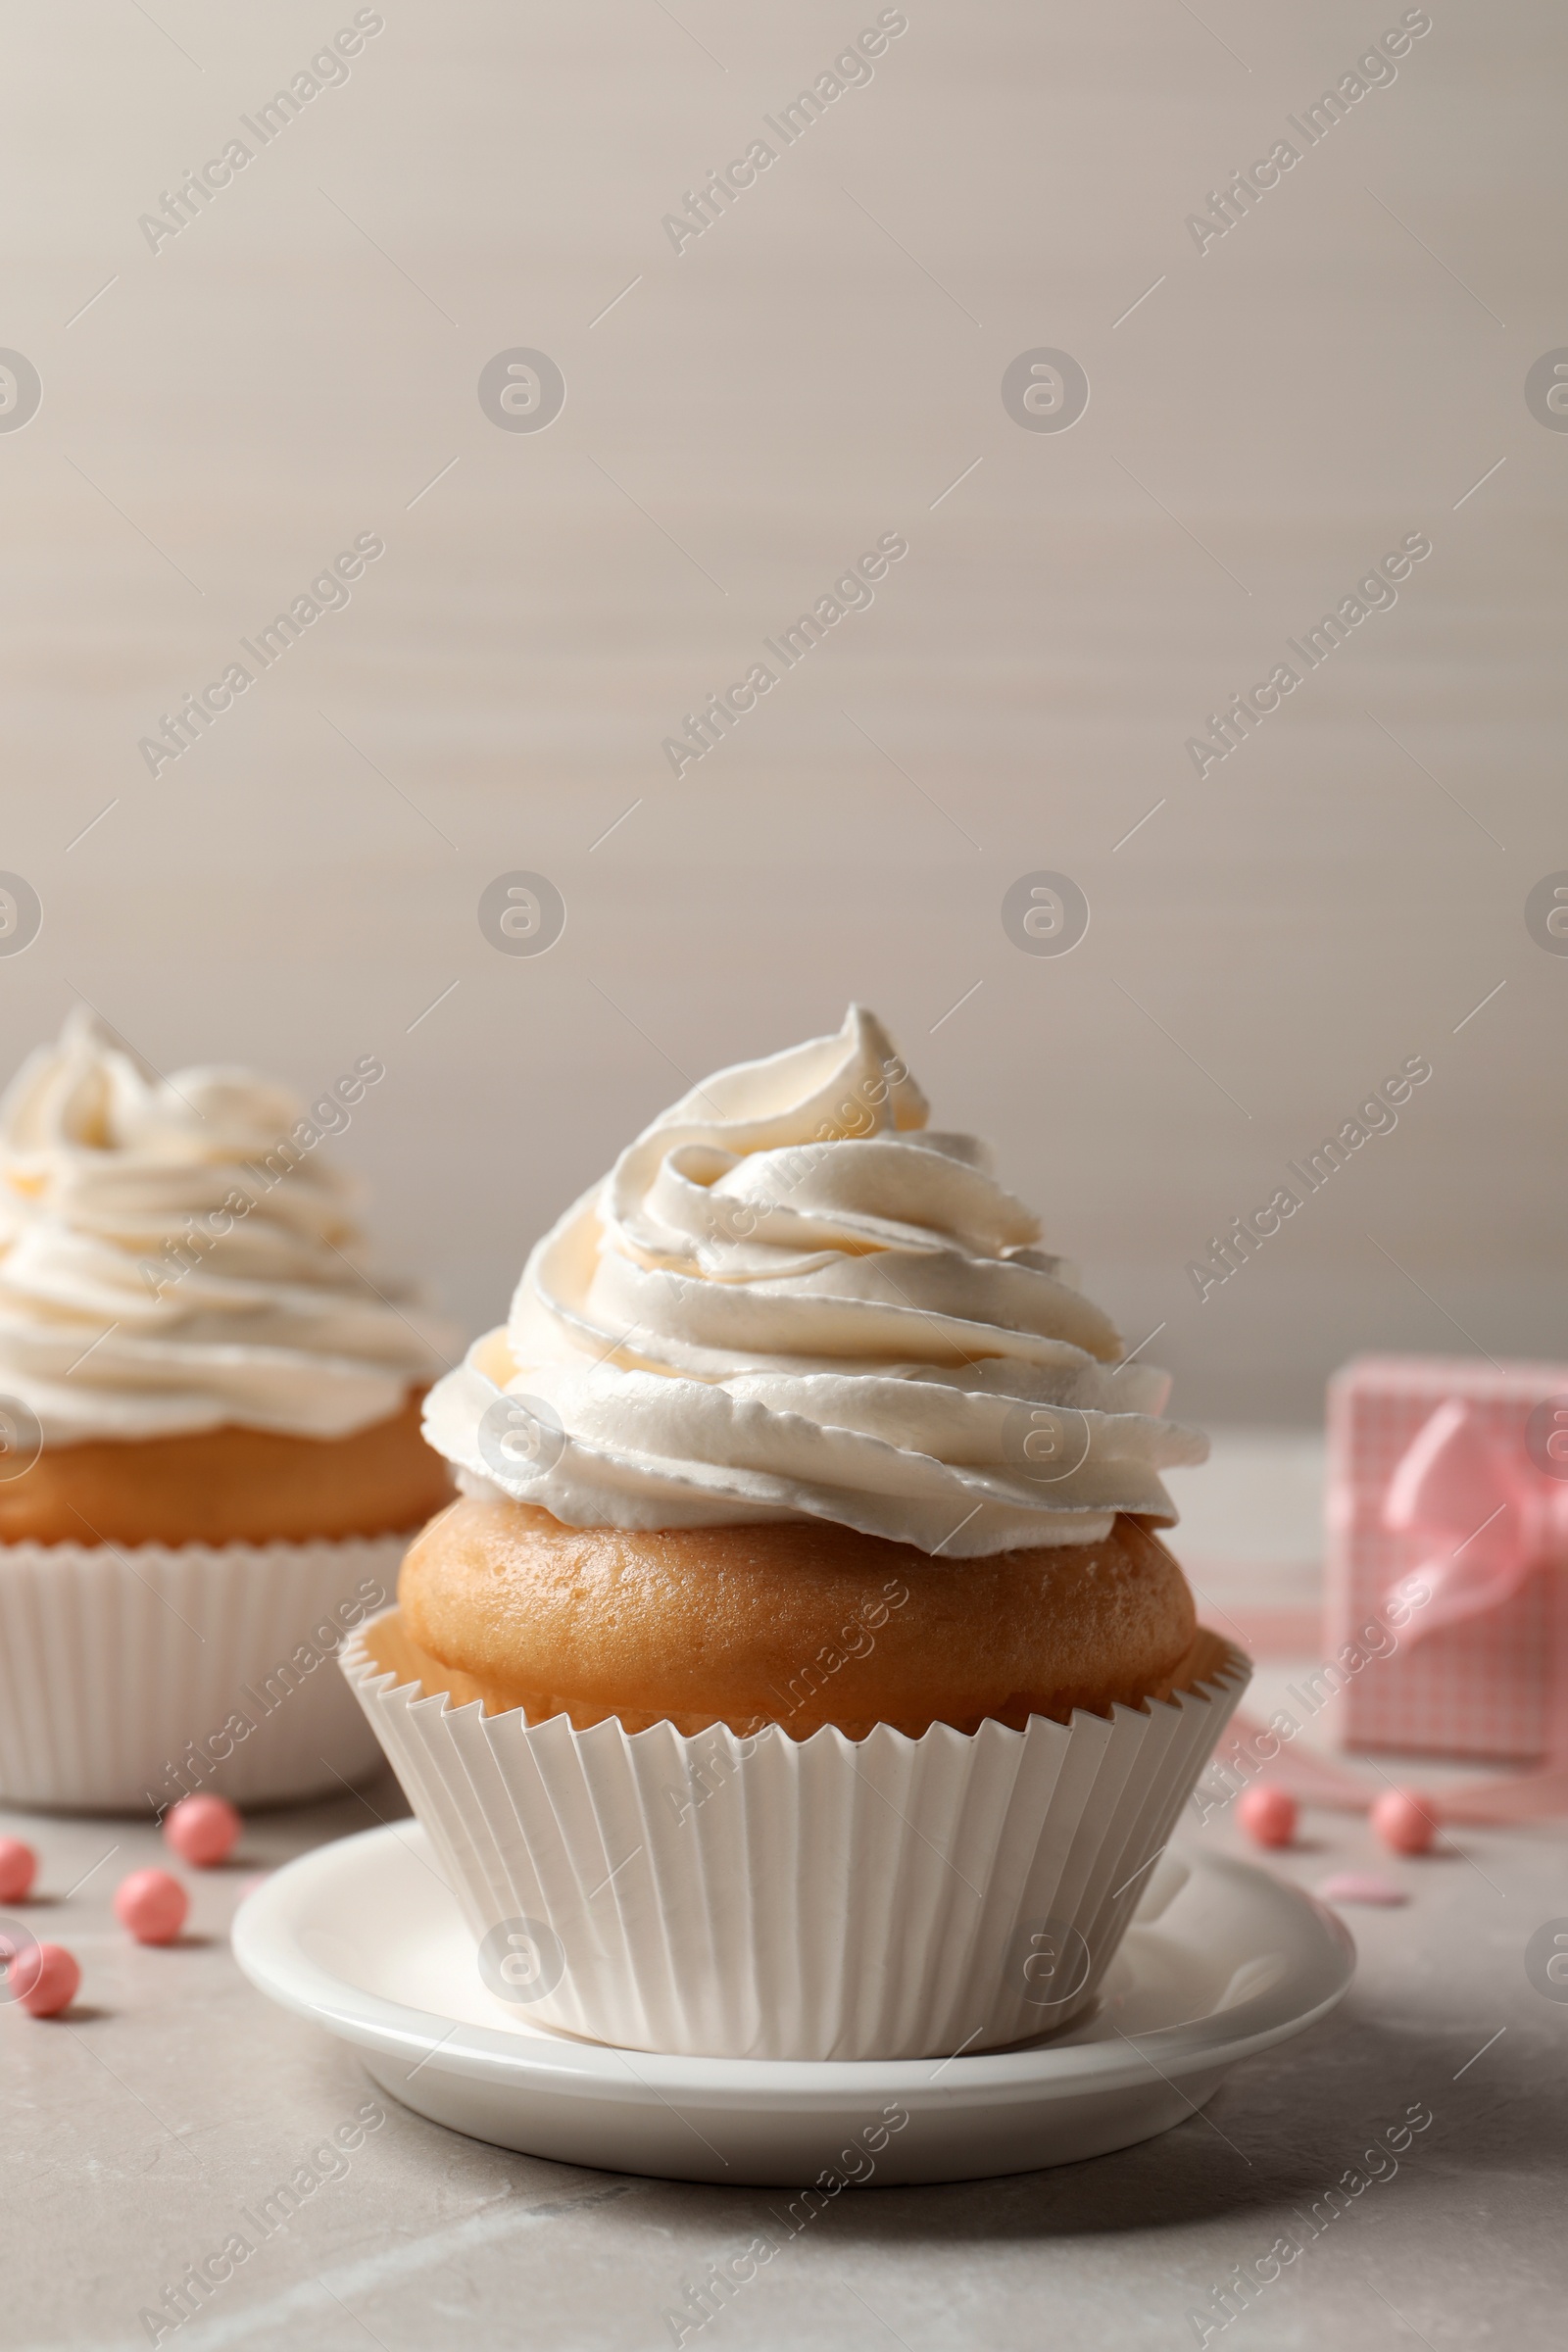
x=363, y=1937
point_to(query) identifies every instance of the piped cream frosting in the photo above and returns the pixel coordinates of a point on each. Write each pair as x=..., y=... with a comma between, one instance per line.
x=791, y=1298
x=180, y=1253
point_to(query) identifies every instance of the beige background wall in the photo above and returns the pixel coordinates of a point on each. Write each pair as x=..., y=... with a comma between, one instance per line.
x=299, y=362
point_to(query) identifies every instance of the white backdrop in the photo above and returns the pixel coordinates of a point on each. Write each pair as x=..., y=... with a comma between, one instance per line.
x=1268, y=416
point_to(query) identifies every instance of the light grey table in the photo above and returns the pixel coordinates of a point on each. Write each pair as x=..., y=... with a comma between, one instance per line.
x=174, y=2096
x=137, y=2127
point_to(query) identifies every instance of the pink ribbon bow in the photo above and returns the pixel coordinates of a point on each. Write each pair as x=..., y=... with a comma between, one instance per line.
x=1489, y=1514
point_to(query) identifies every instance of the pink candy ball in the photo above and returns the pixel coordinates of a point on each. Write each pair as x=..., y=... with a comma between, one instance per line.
x=1267, y=1814
x=18, y=1864
x=203, y=1830
x=1405, y=1825
x=48, y=1978
x=151, y=1905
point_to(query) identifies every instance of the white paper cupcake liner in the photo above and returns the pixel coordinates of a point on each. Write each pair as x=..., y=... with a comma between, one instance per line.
x=131, y=1676
x=773, y=1898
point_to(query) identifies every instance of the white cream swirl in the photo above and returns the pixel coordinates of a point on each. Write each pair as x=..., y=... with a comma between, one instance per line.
x=791, y=1299
x=177, y=1254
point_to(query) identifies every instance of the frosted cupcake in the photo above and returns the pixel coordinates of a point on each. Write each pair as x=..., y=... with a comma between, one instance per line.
x=210, y=1410
x=799, y=1666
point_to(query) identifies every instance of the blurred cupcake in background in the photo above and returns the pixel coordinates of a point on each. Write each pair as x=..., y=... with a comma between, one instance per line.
x=210, y=1444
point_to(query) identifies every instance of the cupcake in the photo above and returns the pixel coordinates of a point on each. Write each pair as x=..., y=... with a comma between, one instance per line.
x=210, y=1415
x=799, y=1672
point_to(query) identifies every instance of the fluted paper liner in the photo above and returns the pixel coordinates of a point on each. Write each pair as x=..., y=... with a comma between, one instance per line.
x=773, y=1898
x=126, y=1672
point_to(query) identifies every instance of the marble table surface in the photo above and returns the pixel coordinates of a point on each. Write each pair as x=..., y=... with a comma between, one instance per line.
x=139, y=2123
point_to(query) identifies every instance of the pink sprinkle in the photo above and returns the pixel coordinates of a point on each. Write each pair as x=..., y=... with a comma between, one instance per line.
x=203, y=1830
x=151, y=1905
x=47, y=1978
x=1360, y=1886
x=1267, y=1813
x=1403, y=1823
x=18, y=1867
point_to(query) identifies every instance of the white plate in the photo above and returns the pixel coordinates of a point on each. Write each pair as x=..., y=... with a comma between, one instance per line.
x=363, y=1937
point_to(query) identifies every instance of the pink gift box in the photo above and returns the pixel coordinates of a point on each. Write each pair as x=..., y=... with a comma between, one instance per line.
x=1487, y=1687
